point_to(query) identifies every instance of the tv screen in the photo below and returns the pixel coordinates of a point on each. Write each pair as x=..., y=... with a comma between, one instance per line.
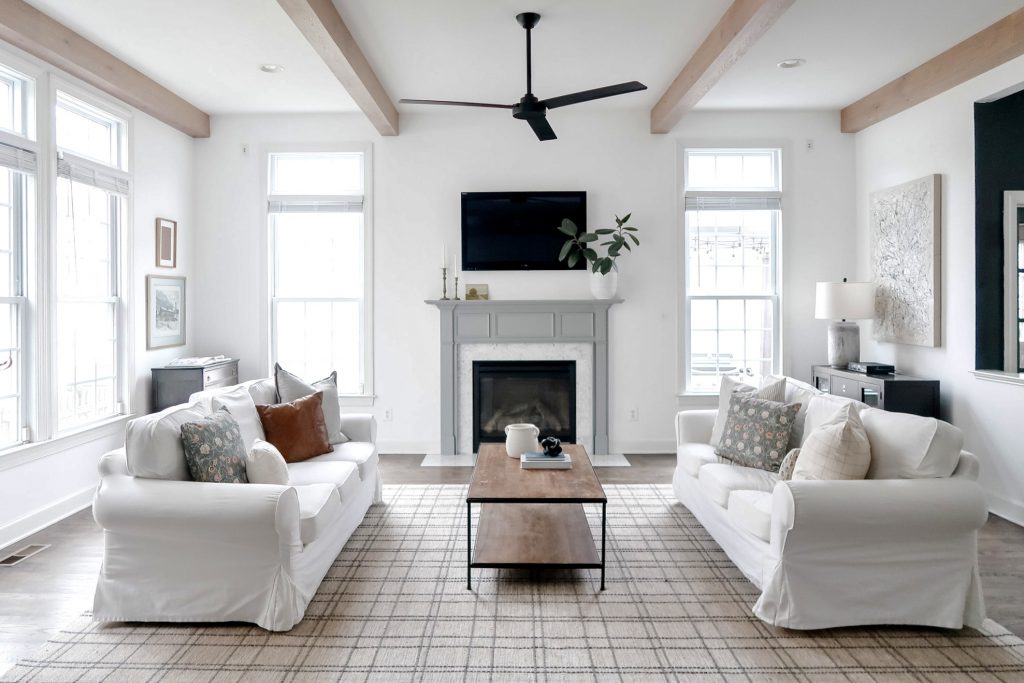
x=518, y=230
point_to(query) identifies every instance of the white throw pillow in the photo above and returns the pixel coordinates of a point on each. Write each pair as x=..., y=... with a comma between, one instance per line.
x=239, y=403
x=905, y=446
x=264, y=464
x=152, y=443
x=291, y=388
x=837, y=449
x=772, y=389
x=802, y=393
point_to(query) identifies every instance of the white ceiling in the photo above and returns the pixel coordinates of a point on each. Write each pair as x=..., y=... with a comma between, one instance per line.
x=208, y=51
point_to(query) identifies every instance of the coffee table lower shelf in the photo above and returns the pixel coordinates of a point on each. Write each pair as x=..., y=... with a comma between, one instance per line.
x=527, y=535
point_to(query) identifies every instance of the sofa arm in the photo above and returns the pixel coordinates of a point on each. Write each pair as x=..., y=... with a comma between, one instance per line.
x=694, y=426
x=229, y=514
x=359, y=427
x=875, y=510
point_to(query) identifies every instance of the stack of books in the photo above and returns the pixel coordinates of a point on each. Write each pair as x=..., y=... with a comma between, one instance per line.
x=535, y=460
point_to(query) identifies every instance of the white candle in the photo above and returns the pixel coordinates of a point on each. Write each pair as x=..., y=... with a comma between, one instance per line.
x=456, y=263
x=444, y=254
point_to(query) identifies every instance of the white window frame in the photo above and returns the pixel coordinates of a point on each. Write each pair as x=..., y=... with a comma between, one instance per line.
x=268, y=314
x=39, y=395
x=752, y=197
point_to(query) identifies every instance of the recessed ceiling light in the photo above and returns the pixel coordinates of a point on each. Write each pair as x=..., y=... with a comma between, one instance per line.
x=791, y=63
x=271, y=68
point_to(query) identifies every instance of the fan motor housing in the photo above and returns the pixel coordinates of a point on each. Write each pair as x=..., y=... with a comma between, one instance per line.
x=529, y=107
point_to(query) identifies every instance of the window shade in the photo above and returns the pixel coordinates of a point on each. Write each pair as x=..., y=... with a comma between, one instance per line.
x=17, y=159
x=733, y=203
x=339, y=204
x=89, y=173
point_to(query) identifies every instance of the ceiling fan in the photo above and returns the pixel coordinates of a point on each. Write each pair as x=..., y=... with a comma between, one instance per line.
x=529, y=108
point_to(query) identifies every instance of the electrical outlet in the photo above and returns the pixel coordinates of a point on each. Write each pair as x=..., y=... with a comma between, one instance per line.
x=634, y=414
x=387, y=414
x=245, y=148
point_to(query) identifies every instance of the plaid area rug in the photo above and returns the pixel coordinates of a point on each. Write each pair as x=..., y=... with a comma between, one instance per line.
x=394, y=607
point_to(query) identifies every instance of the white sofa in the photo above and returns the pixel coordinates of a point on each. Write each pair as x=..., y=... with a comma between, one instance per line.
x=899, y=547
x=177, y=550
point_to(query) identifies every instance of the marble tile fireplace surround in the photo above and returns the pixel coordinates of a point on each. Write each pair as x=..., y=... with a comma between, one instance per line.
x=534, y=330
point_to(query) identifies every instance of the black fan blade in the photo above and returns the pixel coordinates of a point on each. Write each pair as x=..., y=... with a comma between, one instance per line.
x=542, y=128
x=458, y=104
x=595, y=94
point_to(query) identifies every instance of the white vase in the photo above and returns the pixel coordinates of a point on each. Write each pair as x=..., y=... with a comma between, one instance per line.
x=520, y=438
x=604, y=286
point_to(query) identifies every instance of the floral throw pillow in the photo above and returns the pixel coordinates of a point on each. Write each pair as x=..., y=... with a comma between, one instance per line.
x=757, y=432
x=214, y=450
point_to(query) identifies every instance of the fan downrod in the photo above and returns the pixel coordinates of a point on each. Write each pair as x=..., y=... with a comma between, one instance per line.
x=528, y=19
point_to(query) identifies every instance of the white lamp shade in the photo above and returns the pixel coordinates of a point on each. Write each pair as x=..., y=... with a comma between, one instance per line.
x=844, y=300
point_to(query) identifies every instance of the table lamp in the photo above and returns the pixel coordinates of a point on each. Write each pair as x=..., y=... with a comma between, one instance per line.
x=841, y=302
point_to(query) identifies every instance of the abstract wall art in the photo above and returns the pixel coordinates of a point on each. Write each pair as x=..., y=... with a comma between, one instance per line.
x=905, y=247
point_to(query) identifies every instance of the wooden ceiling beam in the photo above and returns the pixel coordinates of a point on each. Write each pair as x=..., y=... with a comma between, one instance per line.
x=323, y=27
x=27, y=28
x=985, y=50
x=739, y=28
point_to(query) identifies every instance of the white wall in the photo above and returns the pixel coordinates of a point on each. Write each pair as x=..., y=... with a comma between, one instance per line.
x=43, y=484
x=418, y=178
x=937, y=136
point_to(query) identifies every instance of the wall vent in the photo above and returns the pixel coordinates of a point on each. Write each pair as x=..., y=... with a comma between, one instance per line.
x=22, y=554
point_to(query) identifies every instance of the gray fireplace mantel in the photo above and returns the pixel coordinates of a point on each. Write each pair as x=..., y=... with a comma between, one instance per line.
x=522, y=321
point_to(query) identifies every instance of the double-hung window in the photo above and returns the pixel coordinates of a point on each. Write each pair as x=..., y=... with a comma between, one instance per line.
x=732, y=200
x=91, y=191
x=18, y=167
x=318, y=262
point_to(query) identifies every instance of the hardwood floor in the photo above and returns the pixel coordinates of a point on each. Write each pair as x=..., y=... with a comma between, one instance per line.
x=40, y=595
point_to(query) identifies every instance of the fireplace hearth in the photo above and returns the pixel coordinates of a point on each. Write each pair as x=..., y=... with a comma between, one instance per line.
x=542, y=393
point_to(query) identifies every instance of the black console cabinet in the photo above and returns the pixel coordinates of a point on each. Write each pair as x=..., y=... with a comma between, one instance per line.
x=897, y=393
x=173, y=385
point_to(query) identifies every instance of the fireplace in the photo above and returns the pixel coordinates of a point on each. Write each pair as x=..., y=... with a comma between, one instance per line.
x=542, y=393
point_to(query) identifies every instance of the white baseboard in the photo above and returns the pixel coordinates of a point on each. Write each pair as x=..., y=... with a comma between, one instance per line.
x=649, y=446
x=1009, y=510
x=40, y=519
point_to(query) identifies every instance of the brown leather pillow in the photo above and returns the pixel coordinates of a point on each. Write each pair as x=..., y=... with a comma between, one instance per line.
x=297, y=429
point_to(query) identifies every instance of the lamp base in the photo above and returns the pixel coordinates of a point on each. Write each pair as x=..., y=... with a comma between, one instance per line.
x=843, y=343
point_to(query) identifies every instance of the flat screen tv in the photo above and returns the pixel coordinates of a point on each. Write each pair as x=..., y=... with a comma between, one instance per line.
x=518, y=230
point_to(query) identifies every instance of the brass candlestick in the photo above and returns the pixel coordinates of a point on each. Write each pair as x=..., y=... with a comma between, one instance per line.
x=456, y=297
x=444, y=283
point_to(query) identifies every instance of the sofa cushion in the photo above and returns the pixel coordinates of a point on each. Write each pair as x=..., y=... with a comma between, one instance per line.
x=319, y=507
x=291, y=387
x=838, y=449
x=719, y=479
x=264, y=464
x=239, y=403
x=360, y=453
x=757, y=432
x=343, y=476
x=752, y=511
x=214, y=450
x=692, y=456
x=296, y=428
x=153, y=445
x=802, y=393
x=772, y=389
x=263, y=391
x=788, y=465
x=821, y=409
x=905, y=446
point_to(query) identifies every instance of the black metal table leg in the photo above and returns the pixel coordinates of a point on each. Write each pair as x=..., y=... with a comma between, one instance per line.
x=469, y=546
x=604, y=516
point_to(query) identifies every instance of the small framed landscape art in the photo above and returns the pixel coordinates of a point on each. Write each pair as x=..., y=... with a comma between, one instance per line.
x=477, y=292
x=166, y=243
x=165, y=311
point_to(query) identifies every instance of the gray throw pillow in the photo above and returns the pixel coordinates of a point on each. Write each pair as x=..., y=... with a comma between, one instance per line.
x=214, y=450
x=757, y=432
x=290, y=388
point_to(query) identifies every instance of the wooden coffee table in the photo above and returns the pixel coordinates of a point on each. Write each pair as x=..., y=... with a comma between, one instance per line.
x=533, y=518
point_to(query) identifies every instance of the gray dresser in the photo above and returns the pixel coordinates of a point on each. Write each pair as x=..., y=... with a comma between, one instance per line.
x=173, y=385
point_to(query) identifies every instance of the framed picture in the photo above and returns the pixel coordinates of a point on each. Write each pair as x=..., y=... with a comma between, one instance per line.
x=166, y=243
x=165, y=311
x=477, y=292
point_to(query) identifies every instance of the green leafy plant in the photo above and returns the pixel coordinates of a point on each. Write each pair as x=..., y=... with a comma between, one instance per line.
x=579, y=244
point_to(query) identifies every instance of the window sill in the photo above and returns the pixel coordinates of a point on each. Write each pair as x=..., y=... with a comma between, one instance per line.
x=26, y=453
x=356, y=400
x=999, y=376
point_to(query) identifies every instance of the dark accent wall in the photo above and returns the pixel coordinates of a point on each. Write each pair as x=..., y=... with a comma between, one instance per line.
x=998, y=166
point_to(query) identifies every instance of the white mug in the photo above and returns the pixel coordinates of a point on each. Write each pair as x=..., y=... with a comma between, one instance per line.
x=520, y=438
